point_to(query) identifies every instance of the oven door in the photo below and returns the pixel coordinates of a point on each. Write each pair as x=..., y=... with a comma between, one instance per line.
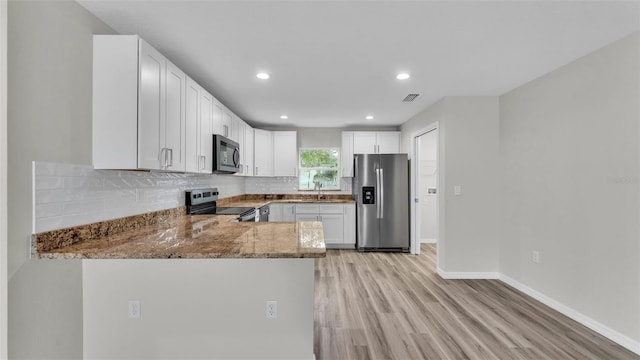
x=226, y=155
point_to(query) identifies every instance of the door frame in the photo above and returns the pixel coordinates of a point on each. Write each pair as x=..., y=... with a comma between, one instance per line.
x=3, y=181
x=415, y=185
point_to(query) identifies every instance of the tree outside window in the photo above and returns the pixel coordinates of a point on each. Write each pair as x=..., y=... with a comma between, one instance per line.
x=319, y=167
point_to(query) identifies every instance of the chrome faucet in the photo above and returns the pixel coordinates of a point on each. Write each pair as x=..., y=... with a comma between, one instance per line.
x=318, y=185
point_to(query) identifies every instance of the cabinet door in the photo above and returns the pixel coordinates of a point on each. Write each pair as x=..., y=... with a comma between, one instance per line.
x=263, y=150
x=285, y=153
x=275, y=212
x=248, y=153
x=174, y=130
x=288, y=212
x=330, y=209
x=239, y=124
x=307, y=209
x=216, y=124
x=193, y=161
x=349, y=233
x=388, y=142
x=306, y=217
x=346, y=154
x=364, y=142
x=205, y=148
x=332, y=226
x=151, y=108
x=226, y=123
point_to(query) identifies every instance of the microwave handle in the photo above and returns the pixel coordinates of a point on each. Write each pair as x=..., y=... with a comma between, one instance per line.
x=236, y=157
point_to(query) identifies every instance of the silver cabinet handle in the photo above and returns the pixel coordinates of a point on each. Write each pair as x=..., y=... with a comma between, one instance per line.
x=225, y=129
x=256, y=174
x=170, y=155
x=163, y=157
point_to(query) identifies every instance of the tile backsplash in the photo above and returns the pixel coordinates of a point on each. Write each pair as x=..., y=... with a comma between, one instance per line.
x=287, y=185
x=68, y=195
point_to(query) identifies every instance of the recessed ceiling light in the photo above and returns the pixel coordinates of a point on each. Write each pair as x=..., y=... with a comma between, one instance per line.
x=402, y=76
x=284, y=117
x=262, y=75
x=369, y=117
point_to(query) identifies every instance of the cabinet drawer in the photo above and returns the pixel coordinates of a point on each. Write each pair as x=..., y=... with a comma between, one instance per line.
x=307, y=209
x=331, y=209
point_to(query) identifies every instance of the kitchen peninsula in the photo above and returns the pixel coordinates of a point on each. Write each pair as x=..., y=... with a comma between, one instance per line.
x=170, y=285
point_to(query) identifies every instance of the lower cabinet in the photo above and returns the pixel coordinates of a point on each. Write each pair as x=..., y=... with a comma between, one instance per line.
x=338, y=220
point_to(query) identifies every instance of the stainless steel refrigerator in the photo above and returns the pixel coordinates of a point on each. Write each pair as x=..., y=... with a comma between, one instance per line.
x=381, y=192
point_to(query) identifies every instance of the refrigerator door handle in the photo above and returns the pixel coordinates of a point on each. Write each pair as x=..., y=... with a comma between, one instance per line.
x=381, y=198
x=377, y=193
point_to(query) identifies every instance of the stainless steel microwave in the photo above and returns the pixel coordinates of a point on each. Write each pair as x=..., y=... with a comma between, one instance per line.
x=226, y=155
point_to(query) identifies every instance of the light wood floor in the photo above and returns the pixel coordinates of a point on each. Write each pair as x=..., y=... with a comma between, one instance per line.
x=395, y=306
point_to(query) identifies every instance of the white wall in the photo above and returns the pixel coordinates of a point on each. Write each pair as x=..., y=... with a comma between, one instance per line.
x=49, y=119
x=3, y=180
x=468, y=157
x=198, y=309
x=570, y=147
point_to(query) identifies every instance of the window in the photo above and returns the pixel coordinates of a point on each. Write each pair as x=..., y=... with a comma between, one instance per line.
x=319, y=166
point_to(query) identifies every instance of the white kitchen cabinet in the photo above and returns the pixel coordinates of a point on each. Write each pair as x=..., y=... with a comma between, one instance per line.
x=307, y=217
x=285, y=153
x=240, y=125
x=376, y=142
x=388, y=142
x=349, y=230
x=346, y=154
x=248, y=150
x=263, y=153
x=333, y=228
x=138, y=107
x=199, y=114
x=216, y=124
x=275, y=212
x=283, y=212
x=227, y=119
x=288, y=212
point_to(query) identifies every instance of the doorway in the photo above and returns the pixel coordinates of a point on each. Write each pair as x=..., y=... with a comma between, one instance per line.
x=425, y=192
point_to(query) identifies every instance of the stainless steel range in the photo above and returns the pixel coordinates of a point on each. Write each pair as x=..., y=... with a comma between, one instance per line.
x=204, y=201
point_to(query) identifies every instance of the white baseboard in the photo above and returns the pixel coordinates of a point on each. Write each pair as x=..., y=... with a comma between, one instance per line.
x=428, y=241
x=594, y=325
x=468, y=275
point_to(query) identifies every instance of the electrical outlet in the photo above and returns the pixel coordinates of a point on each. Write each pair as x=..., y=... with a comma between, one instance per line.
x=134, y=309
x=272, y=309
x=535, y=256
x=457, y=190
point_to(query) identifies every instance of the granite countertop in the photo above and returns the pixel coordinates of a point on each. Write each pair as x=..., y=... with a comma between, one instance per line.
x=257, y=201
x=186, y=236
x=172, y=234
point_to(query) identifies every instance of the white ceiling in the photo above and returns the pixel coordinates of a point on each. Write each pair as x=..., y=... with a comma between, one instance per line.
x=334, y=62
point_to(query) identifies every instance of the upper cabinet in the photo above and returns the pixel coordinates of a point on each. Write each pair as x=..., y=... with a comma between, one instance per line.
x=199, y=118
x=263, y=153
x=275, y=153
x=248, y=150
x=346, y=154
x=285, y=153
x=376, y=142
x=366, y=142
x=138, y=106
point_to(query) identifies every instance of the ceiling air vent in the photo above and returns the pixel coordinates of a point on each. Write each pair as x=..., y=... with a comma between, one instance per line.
x=410, y=97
